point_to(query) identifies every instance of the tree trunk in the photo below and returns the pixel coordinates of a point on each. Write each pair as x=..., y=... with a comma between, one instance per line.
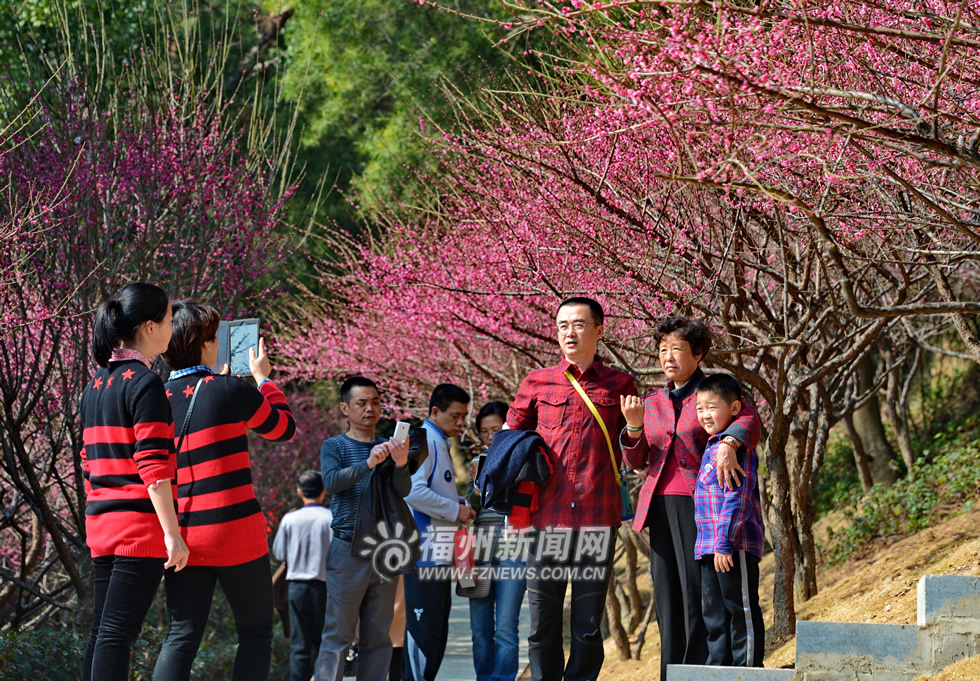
x=806, y=567
x=614, y=614
x=650, y=615
x=632, y=590
x=896, y=408
x=781, y=529
x=860, y=456
x=867, y=423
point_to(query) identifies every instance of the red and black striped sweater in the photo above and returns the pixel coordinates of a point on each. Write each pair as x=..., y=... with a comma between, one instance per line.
x=219, y=516
x=127, y=444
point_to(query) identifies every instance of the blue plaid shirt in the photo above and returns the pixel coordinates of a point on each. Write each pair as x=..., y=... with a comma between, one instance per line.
x=728, y=520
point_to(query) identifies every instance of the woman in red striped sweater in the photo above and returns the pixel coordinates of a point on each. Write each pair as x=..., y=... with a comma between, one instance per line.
x=219, y=516
x=128, y=463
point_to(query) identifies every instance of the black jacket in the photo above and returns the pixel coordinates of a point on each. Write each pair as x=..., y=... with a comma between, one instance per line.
x=514, y=456
x=385, y=529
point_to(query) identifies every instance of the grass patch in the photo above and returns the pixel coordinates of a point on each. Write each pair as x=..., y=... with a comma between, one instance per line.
x=944, y=481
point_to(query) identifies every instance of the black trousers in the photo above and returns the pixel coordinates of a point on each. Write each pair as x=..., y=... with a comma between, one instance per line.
x=732, y=616
x=307, y=605
x=395, y=670
x=123, y=591
x=248, y=588
x=676, y=581
x=546, y=586
x=427, y=604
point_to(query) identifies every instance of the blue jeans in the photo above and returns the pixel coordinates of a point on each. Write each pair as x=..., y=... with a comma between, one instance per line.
x=493, y=619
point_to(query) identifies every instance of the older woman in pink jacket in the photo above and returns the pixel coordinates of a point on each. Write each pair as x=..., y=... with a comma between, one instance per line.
x=663, y=438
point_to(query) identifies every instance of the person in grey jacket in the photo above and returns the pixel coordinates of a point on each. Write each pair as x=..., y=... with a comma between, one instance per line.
x=356, y=590
x=438, y=510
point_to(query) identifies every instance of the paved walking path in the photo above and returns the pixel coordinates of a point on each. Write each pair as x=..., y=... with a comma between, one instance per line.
x=458, y=663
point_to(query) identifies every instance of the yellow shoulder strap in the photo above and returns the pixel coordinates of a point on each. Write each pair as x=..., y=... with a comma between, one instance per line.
x=595, y=412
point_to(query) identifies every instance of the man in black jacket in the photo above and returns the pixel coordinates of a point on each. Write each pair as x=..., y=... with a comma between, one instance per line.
x=356, y=588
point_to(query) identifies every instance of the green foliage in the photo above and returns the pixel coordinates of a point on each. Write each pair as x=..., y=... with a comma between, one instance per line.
x=216, y=656
x=838, y=482
x=940, y=485
x=363, y=72
x=143, y=657
x=32, y=32
x=941, y=402
x=45, y=653
x=144, y=52
x=55, y=654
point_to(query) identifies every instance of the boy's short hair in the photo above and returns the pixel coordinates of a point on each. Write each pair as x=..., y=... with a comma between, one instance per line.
x=310, y=484
x=595, y=308
x=355, y=382
x=723, y=385
x=445, y=394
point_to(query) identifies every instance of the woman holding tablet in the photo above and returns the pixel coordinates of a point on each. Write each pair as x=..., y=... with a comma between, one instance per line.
x=219, y=515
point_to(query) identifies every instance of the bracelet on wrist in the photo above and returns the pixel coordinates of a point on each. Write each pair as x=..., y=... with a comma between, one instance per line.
x=634, y=429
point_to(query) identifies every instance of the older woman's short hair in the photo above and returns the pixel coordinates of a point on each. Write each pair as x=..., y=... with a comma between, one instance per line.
x=194, y=325
x=696, y=333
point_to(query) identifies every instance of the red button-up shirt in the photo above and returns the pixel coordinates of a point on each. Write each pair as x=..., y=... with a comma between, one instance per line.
x=582, y=489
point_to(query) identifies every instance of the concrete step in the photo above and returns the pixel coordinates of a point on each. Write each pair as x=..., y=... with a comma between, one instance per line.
x=947, y=629
x=843, y=650
x=949, y=615
x=948, y=596
x=693, y=672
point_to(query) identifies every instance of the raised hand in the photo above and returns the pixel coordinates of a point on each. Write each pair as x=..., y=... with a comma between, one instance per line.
x=379, y=453
x=258, y=362
x=399, y=452
x=632, y=408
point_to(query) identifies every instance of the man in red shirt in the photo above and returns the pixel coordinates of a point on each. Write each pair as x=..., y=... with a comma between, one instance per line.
x=580, y=504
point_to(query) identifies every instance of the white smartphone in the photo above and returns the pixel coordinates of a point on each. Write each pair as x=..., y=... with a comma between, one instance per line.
x=401, y=431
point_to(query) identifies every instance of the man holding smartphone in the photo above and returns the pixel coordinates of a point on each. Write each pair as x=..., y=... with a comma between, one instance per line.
x=355, y=591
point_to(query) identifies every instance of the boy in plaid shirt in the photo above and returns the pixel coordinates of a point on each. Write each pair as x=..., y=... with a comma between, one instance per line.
x=730, y=535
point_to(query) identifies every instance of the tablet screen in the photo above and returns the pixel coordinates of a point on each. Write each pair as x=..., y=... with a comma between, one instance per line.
x=242, y=335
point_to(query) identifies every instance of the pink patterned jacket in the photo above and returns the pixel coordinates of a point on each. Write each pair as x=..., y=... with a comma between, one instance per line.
x=664, y=430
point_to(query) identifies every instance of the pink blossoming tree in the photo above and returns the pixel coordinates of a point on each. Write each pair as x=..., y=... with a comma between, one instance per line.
x=801, y=175
x=139, y=176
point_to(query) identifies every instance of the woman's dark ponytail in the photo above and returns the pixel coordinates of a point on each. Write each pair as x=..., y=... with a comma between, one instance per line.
x=119, y=318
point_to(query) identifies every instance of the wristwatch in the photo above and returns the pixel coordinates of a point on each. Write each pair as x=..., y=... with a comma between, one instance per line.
x=731, y=441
